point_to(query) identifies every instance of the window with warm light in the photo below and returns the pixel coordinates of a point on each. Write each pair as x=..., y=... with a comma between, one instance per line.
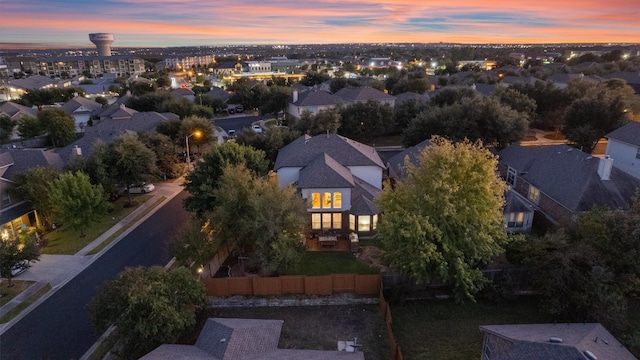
x=364, y=223
x=534, y=194
x=337, y=200
x=337, y=221
x=316, y=221
x=374, y=222
x=326, y=221
x=315, y=200
x=352, y=222
x=326, y=200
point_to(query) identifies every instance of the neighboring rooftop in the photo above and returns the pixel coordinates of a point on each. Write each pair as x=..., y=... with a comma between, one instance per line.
x=629, y=133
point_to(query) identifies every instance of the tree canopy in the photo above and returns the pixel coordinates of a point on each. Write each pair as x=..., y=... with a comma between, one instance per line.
x=60, y=126
x=132, y=162
x=33, y=185
x=16, y=250
x=148, y=306
x=445, y=220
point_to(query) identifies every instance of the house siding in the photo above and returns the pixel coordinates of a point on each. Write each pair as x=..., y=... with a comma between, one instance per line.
x=624, y=157
x=370, y=174
x=288, y=175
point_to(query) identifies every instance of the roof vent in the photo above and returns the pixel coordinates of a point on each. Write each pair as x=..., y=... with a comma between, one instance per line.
x=555, y=340
x=590, y=355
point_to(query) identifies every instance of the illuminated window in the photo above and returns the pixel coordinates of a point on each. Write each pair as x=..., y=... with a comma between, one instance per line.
x=352, y=222
x=364, y=223
x=326, y=220
x=374, y=223
x=326, y=200
x=534, y=194
x=315, y=200
x=337, y=220
x=515, y=220
x=337, y=200
x=316, y=221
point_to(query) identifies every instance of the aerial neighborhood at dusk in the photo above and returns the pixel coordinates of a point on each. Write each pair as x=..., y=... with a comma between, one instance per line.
x=327, y=180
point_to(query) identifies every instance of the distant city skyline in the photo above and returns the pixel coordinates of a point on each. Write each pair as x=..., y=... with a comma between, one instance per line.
x=168, y=23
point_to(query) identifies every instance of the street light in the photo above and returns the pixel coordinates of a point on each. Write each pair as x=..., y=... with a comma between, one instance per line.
x=197, y=134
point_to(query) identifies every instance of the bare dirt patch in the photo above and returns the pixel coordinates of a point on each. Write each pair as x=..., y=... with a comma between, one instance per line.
x=318, y=327
x=372, y=256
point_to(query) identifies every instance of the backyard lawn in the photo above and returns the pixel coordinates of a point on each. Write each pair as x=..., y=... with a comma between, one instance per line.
x=315, y=263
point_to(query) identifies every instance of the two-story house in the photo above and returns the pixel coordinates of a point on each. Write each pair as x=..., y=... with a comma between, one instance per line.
x=312, y=101
x=340, y=179
x=81, y=110
x=559, y=181
x=623, y=145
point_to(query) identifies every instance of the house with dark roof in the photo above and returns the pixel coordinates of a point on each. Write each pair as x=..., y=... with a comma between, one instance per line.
x=573, y=341
x=312, y=101
x=364, y=94
x=623, y=145
x=632, y=79
x=243, y=339
x=559, y=181
x=184, y=93
x=81, y=109
x=15, y=214
x=15, y=112
x=340, y=178
x=218, y=93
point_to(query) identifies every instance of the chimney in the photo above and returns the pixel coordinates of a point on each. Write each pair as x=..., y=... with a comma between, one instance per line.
x=77, y=150
x=604, y=167
x=295, y=96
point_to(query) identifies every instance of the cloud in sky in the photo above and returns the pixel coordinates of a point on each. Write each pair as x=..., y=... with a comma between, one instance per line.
x=189, y=22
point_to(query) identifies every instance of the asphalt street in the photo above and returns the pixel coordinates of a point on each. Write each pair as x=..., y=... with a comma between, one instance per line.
x=236, y=122
x=59, y=328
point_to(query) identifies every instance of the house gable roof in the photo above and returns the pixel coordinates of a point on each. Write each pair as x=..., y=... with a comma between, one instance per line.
x=396, y=164
x=316, y=97
x=218, y=93
x=363, y=198
x=532, y=341
x=79, y=102
x=347, y=152
x=325, y=172
x=25, y=159
x=362, y=94
x=570, y=176
x=629, y=133
x=15, y=110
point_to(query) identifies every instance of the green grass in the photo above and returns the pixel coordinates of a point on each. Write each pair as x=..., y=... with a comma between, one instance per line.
x=23, y=305
x=64, y=241
x=115, y=235
x=327, y=263
x=8, y=293
x=105, y=346
x=441, y=329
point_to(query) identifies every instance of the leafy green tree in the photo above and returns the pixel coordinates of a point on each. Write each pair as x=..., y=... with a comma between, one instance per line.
x=450, y=95
x=75, y=201
x=102, y=101
x=33, y=185
x=171, y=129
x=548, y=97
x=254, y=213
x=60, y=126
x=319, y=123
x=483, y=118
x=16, y=250
x=148, y=306
x=6, y=128
x=445, y=220
x=361, y=121
x=163, y=82
x=30, y=127
x=407, y=111
x=194, y=246
x=275, y=100
x=179, y=106
x=589, y=119
x=203, y=180
x=270, y=142
x=202, y=111
x=518, y=101
x=192, y=124
x=165, y=150
x=133, y=162
x=149, y=102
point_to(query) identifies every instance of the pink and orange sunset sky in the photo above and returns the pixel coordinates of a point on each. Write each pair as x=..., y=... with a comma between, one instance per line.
x=164, y=23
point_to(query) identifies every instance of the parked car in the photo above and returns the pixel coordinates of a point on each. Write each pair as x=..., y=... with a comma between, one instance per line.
x=231, y=133
x=256, y=128
x=18, y=268
x=140, y=188
x=239, y=109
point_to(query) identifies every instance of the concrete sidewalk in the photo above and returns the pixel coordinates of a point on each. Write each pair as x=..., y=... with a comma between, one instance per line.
x=57, y=270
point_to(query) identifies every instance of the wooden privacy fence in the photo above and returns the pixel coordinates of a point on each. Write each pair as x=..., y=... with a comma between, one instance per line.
x=294, y=284
x=396, y=354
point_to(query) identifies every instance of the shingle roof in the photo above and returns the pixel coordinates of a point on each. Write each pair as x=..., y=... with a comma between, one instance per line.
x=325, y=172
x=12, y=109
x=406, y=96
x=25, y=159
x=77, y=102
x=362, y=94
x=397, y=169
x=33, y=82
x=218, y=93
x=117, y=105
x=347, y=152
x=316, y=97
x=532, y=341
x=363, y=198
x=570, y=176
x=629, y=133
x=514, y=203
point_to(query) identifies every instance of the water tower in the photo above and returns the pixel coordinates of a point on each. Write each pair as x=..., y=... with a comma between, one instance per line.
x=103, y=43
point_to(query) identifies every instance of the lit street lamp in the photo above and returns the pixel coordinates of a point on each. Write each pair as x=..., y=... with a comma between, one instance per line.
x=197, y=134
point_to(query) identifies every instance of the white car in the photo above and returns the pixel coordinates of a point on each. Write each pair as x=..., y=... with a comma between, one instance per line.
x=18, y=268
x=256, y=128
x=140, y=189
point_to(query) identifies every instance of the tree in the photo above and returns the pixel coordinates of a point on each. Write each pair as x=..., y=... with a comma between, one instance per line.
x=270, y=142
x=165, y=150
x=33, y=185
x=445, y=220
x=323, y=121
x=275, y=100
x=407, y=111
x=6, y=128
x=362, y=121
x=133, y=162
x=179, y=106
x=194, y=245
x=148, y=307
x=518, y=101
x=192, y=124
x=203, y=180
x=15, y=251
x=483, y=118
x=30, y=127
x=76, y=202
x=60, y=126
x=254, y=213
x=450, y=95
